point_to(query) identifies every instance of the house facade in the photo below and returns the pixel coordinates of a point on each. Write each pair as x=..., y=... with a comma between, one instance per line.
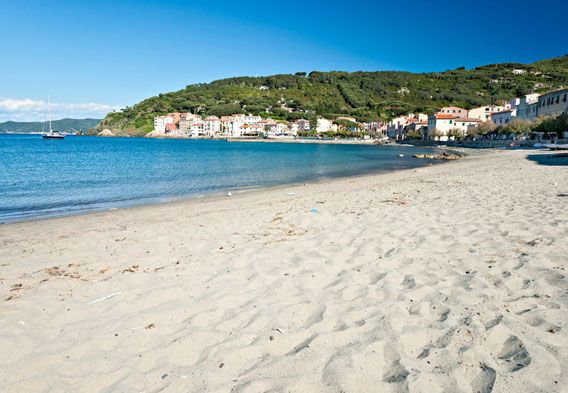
x=484, y=113
x=504, y=117
x=439, y=126
x=527, y=107
x=453, y=111
x=553, y=104
x=160, y=122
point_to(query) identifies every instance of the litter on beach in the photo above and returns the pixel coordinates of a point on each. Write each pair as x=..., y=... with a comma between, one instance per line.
x=104, y=298
x=229, y=193
x=291, y=194
x=314, y=210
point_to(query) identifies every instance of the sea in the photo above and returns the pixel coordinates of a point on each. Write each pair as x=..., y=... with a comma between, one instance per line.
x=42, y=178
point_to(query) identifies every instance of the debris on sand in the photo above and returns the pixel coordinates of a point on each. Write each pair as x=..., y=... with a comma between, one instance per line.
x=443, y=156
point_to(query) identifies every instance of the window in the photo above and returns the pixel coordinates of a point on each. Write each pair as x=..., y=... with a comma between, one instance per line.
x=564, y=99
x=557, y=99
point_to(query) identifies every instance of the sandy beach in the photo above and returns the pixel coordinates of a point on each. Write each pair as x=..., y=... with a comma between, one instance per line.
x=447, y=278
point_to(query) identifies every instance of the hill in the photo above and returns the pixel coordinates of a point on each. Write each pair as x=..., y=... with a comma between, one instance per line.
x=365, y=95
x=63, y=125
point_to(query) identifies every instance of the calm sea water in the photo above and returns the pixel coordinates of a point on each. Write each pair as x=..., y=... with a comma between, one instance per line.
x=42, y=178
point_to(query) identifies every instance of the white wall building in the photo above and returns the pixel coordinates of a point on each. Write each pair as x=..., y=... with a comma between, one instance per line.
x=185, y=122
x=161, y=121
x=439, y=126
x=553, y=104
x=483, y=113
x=250, y=119
x=212, y=125
x=325, y=125
x=527, y=107
x=504, y=117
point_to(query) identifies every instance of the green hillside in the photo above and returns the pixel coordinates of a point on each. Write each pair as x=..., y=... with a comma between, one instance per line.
x=365, y=95
x=63, y=125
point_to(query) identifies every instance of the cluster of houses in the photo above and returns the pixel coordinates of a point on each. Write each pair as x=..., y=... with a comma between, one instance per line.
x=448, y=121
x=442, y=125
x=242, y=126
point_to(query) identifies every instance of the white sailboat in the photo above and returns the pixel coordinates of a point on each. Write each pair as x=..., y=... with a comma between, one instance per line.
x=51, y=134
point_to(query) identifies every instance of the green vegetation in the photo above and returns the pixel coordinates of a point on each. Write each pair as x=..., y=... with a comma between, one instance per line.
x=63, y=125
x=367, y=96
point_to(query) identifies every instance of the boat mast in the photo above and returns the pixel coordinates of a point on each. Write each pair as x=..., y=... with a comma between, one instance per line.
x=49, y=114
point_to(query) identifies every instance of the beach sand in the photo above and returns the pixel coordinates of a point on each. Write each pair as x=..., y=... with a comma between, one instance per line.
x=448, y=278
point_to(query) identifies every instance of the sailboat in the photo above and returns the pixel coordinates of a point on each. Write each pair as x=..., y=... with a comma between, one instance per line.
x=51, y=134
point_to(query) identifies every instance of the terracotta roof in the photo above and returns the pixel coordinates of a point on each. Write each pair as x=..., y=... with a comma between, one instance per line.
x=443, y=116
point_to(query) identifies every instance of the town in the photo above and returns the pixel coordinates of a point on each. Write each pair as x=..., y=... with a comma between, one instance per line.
x=449, y=123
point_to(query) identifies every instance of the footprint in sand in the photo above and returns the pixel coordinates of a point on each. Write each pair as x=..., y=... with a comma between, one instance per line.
x=484, y=381
x=514, y=354
x=396, y=373
x=408, y=282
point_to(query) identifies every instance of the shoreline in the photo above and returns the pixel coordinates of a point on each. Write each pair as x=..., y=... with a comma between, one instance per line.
x=235, y=191
x=438, y=278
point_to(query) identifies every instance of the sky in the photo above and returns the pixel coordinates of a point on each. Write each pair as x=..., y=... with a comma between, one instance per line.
x=93, y=57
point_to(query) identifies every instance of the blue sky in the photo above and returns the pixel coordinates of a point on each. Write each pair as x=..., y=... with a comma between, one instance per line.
x=92, y=56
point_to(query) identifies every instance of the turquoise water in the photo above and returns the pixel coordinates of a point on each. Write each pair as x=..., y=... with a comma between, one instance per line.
x=44, y=178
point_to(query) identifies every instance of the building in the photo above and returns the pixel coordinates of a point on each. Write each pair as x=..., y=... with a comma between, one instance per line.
x=300, y=125
x=454, y=111
x=439, y=126
x=527, y=107
x=416, y=126
x=170, y=128
x=504, y=117
x=233, y=124
x=160, y=122
x=325, y=125
x=484, y=113
x=250, y=119
x=185, y=122
x=212, y=126
x=397, y=127
x=466, y=123
x=252, y=130
x=197, y=128
x=553, y=104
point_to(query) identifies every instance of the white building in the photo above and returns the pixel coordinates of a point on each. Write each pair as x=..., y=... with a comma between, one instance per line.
x=325, y=125
x=553, y=104
x=483, y=113
x=197, y=128
x=397, y=127
x=232, y=125
x=466, y=123
x=185, y=122
x=161, y=121
x=300, y=125
x=250, y=119
x=212, y=125
x=527, y=107
x=439, y=126
x=504, y=117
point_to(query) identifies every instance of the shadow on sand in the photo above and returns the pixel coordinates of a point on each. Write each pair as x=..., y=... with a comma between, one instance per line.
x=560, y=159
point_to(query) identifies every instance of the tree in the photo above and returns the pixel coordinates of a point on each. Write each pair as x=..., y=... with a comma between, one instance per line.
x=456, y=134
x=486, y=127
x=414, y=134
